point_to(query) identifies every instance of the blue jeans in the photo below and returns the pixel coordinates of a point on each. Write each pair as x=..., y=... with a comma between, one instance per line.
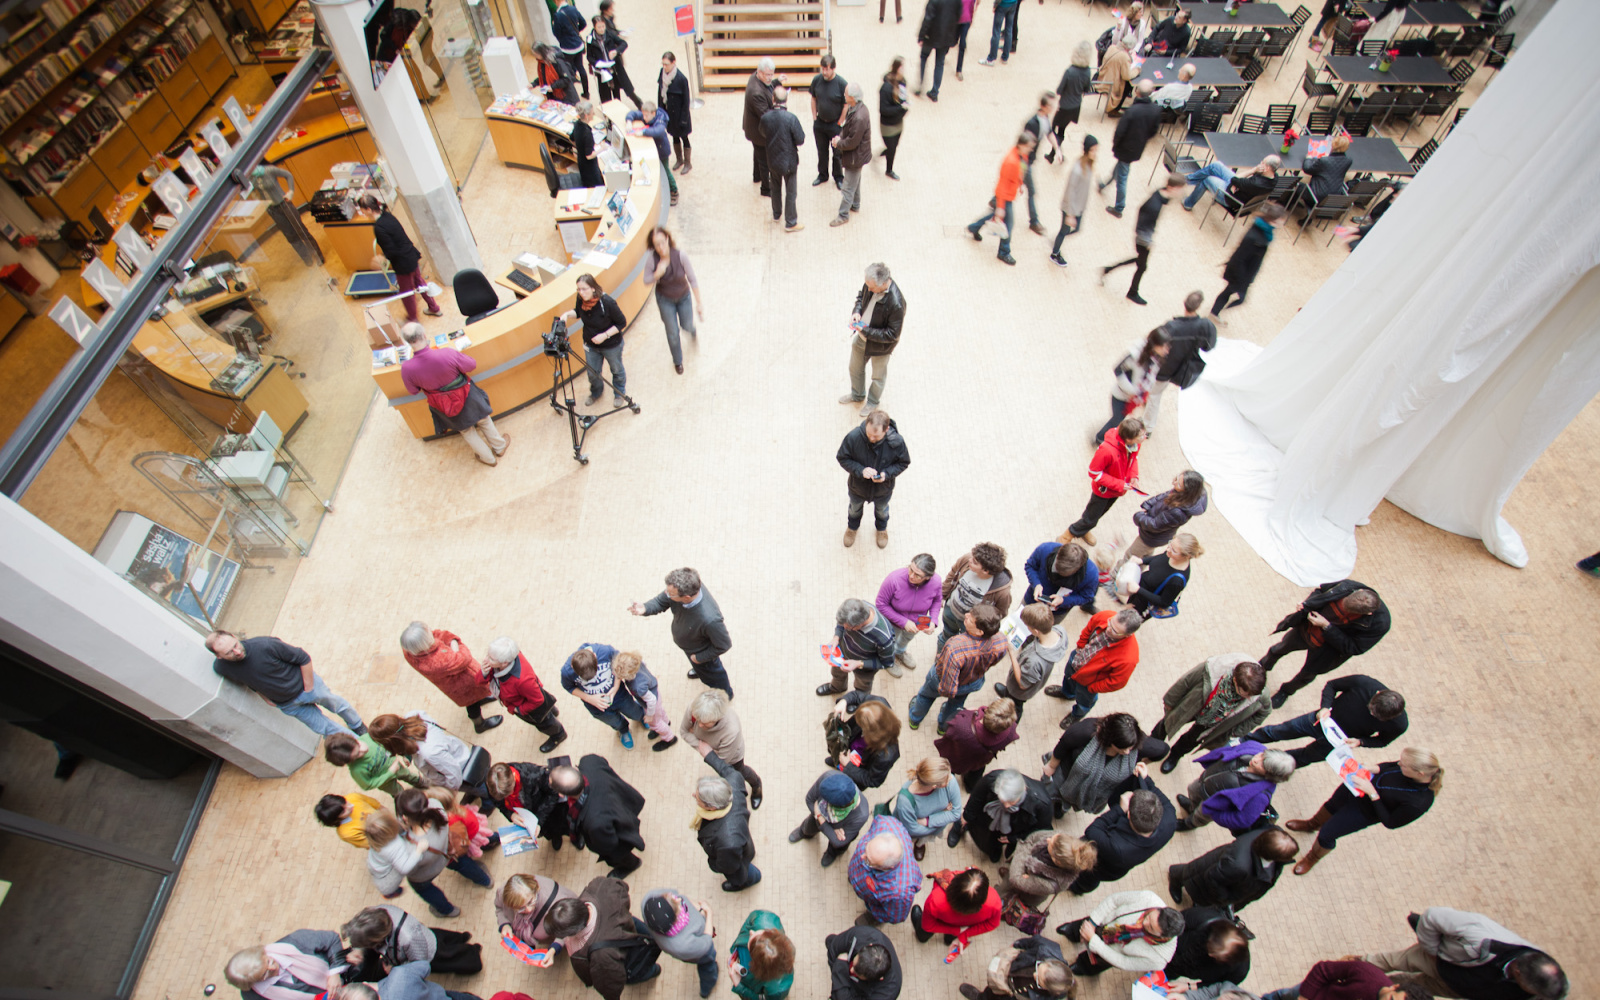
x=1119, y=174
x=1027, y=180
x=1004, y=33
x=880, y=513
x=305, y=709
x=961, y=45
x=709, y=968
x=1301, y=726
x=621, y=710
x=747, y=878
x=611, y=353
x=1082, y=695
x=1215, y=176
x=923, y=700
x=675, y=314
x=1289, y=993
x=1005, y=244
x=471, y=870
x=432, y=895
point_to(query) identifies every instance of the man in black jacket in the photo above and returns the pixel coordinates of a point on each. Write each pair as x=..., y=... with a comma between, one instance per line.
x=697, y=626
x=941, y=29
x=784, y=137
x=757, y=99
x=1187, y=335
x=875, y=323
x=1245, y=263
x=1137, y=126
x=602, y=811
x=1144, y=232
x=1129, y=833
x=862, y=965
x=1171, y=37
x=722, y=824
x=1235, y=874
x=874, y=454
x=1335, y=622
x=1369, y=714
x=1213, y=948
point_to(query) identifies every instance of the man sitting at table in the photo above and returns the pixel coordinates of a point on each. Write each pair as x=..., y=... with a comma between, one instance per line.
x=1171, y=37
x=1243, y=187
x=1325, y=174
x=1176, y=95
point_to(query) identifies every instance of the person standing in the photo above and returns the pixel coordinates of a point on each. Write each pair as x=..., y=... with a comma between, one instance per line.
x=599, y=45
x=672, y=96
x=1237, y=873
x=722, y=823
x=1075, y=197
x=784, y=137
x=1397, y=794
x=1031, y=968
x=1005, y=196
x=403, y=256
x=1135, y=129
x=590, y=675
x=1368, y=713
x=1045, y=646
x=757, y=101
x=884, y=874
x=1044, y=139
x=603, y=323
x=827, y=108
x=602, y=812
x=1164, y=577
x=609, y=947
x=866, y=643
x=910, y=598
x=960, y=905
x=1075, y=82
x=862, y=965
x=1061, y=577
x=875, y=324
x=1236, y=786
x=519, y=690
x=959, y=669
x=568, y=23
x=1211, y=950
x=1044, y=865
x=1132, y=931
x=892, y=102
x=1003, y=34
x=684, y=930
x=854, y=143
x=977, y=578
x=974, y=738
x=1188, y=335
x=927, y=803
x=868, y=744
x=455, y=402
x=836, y=809
x=608, y=11
x=874, y=454
x=668, y=268
x=371, y=766
x=1245, y=262
x=1093, y=761
x=1349, y=979
x=346, y=814
x=1335, y=622
x=449, y=665
x=282, y=675
x=697, y=626
x=439, y=755
x=1004, y=809
x=1132, y=830
x=1144, y=232
x=298, y=966
x=1463, y=954
x=712, y=721
x=761, y=960
x=654, y=125
x=941, y=28
x=1219, y=699
x=583, y=145
x=1113, y=470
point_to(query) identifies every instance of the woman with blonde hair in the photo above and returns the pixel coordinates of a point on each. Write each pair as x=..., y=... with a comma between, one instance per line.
x=297, y=966
x=521, y=906
x=1131, y=30
x=872, y=740
x=927, y=803
x=629, y=669
x=1046, y=863
x=1075, y=82
x=1165, y=575
x=1398, y=793
x=1116, y=72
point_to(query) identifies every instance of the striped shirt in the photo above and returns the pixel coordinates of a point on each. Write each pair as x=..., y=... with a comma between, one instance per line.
x=872, y=643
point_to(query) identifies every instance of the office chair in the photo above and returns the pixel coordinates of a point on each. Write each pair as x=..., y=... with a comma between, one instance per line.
x=558, y=182
x=475, y=297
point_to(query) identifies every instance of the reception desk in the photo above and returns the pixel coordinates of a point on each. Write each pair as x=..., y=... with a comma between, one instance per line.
x=507, y=345
x=519, y=131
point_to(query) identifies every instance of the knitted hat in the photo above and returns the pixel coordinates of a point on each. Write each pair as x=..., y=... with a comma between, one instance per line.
x=837, y=789
x=658, y=915
x=1090, y=142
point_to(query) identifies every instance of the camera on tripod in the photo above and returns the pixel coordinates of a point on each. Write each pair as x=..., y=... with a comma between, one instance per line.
x=557, y=343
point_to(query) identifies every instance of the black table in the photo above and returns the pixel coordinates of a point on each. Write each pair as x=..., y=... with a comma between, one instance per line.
x=1369, y=155
x=1250, y=15
x=1207, y=72
x=1407, y=71
x=1437, y=13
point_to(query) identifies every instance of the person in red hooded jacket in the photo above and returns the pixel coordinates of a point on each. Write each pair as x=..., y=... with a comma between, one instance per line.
x=520, y=691
x=1113, y=470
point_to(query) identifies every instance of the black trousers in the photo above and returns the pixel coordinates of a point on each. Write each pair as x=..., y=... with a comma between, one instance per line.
x=1141, y=262
x=823, y=132
x=622, y=85
x=1186, y=742
x=544, y=719
x=1234, y=288
x=573, y=61
x=1093, y=511
x=1319, y=660
x=890, y=144
x=758, y=169
x=783, y=205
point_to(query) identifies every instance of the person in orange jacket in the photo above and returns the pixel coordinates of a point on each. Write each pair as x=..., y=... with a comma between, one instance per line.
x=1005, y=195
x=1113, y=471
x=1106, y=656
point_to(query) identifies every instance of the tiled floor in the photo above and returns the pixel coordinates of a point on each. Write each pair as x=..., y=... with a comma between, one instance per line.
x=1000, y=377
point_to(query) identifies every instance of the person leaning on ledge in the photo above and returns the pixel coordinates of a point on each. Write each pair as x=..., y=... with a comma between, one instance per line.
x=282, y=675
x=440, y=373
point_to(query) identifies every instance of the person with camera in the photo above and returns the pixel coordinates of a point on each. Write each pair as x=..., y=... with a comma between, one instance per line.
x=603, y=321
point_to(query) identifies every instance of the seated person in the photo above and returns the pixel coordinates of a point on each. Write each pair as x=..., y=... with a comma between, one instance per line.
x=1325, y=174
x=1171, y=36
x=1176, y=95
x=1243, y=187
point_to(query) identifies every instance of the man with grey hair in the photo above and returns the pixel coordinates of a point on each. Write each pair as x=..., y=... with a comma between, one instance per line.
x=784, y=137
x=884, y=872
x=441, y=374
x=757, y=102
x=1003, y=809
x=722, y=823
x=1106, y=656
x=1242, y=187
x=697, y=626
x=854, y=143
x=875, y=324
x=866, y=644
x=711, y=722
x=440, y=656
x=511, y=675
x=1175, y=95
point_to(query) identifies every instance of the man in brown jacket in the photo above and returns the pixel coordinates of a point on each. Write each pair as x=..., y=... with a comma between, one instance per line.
x=608, y=946
x=757, y=102
x=854, y=144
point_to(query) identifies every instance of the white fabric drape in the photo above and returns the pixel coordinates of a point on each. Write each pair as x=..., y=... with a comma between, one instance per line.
x=1447, y=352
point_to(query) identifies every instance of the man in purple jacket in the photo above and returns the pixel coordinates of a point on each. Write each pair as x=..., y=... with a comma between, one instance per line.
x=910, y=598
x=1236, y=787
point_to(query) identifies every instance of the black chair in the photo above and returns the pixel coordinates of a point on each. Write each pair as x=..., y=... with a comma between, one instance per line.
x=1173, y=162
x=478, y=762
x=1321, y=122
x=1280, y=117
x=1506, y=14
x=1342, y=47
x=475, y=297
x=1252, y=125
x=1334, y=206
x=1358, y=123
x=1436, y=103
x=1407, y=105
x=1379, y=106
x=1373, y=47
x=1460, y=114
x=1301, y=15
x=1279, y=42
x=1499, y=51
x=1197, y=100
x=1461, y=72
x=1228, y=98
x=1316, y=91
x=1423, y=153
x=1366, y=193
x=1252, y=72
x=1207, y=119
x=557, y=182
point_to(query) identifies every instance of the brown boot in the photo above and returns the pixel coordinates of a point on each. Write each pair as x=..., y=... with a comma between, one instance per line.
x=849, y=537
x=1311, y=825
x=883, y=539
x=688, y=161
x=1309, y=862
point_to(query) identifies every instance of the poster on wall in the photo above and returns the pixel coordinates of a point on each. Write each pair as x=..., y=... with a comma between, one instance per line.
x=174, y=569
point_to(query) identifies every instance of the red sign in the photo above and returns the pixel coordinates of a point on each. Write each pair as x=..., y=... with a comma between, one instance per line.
x=683, y=17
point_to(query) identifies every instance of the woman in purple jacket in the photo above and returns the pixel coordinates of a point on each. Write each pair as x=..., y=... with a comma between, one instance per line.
x=910, y=599
x=1160, y=517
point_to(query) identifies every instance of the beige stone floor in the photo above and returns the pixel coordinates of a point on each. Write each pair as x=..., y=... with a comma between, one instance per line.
x=729, y=468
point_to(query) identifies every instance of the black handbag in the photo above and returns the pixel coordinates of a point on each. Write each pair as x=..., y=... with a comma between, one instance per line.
x=477, y=768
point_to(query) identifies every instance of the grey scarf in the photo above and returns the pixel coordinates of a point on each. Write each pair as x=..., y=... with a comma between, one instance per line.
x=1000, y=816
x=1088, y=783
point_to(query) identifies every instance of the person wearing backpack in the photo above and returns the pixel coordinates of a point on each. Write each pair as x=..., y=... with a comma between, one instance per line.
x=1188, y=335
x=609, y=947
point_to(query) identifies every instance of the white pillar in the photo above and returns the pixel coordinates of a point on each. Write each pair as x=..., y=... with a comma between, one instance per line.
x=71, y=612
x=396, y=123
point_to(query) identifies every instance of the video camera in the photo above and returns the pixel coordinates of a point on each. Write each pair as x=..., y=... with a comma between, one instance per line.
x=557, y=343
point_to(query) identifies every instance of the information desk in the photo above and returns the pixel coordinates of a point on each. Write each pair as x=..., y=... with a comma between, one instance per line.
x=519, y=129
x=508, y=345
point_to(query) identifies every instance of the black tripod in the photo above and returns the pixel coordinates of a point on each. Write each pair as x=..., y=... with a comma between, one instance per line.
x=562, y=400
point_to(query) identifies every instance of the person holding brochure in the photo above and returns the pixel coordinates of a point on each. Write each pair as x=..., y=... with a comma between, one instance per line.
x=1397, y=794
x=519, y=690
x=866, y=644
x=875, y=324
x=1368, y=713
x=869, y=744
x=910, y=597
x=874, y=454
x=1061, y=577
x=521, y=908
x=1044, y=644
x=654, y=123
x=959, y=669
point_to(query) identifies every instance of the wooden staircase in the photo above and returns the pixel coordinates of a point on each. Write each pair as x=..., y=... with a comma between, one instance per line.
x=737, y=34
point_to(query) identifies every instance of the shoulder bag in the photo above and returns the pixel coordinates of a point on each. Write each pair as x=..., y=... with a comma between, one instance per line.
x=450, y=398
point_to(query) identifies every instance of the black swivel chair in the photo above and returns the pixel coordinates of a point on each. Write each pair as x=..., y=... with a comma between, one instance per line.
x=475, y=297
x=558, y=182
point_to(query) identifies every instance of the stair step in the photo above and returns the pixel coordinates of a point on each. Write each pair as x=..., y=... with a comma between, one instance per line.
x=714, y=9
x=783, y=60
x=723, y=27
x=788, y=44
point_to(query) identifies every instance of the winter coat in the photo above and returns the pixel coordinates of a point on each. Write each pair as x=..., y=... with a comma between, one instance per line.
x=757, y=100
x=1189, y=695
x=608, y=821
x=605, y=970
x=396, y=246
x=1120, y=848
x=1032, y=872
x=1351, y=639
x=1190, y=335
x=998, y=595
x=1137, y=126
x=875, y=764
x=1348, y=697
x=941, y=24
x=1192, y=961
x=1239, y=807
x=673, y=97
x=455, y=672
x=1109, y=669
x=888, y=456
x=1034, y=814
x=940, y=917
x=843, y=948
x=891, y=108
x=881, y=330
x=536, y=796
x=855, y=140
x=1113, y=466
x=1245, y=263
x=783, y=136
x=1158, y=521
x=1012, y=971
x=968, y=746
x=1230, y=875
x=1040, y=572
x=1138, y=954
x=727, y=842
x=520, y=691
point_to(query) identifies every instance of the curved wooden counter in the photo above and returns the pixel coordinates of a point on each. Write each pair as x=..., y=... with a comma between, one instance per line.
x=512, y=367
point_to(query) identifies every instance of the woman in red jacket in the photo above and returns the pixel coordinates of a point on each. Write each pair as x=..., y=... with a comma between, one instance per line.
x=445, y=660
x=1113, y=470
x=960, y=906
x=520, y=691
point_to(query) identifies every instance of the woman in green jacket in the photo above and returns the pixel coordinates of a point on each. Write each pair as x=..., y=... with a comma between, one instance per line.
x=762, y=966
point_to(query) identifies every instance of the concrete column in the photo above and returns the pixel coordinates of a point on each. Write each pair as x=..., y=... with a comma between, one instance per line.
x=74, y=614
x=396, y=123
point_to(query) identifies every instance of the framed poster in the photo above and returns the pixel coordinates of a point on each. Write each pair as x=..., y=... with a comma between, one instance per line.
x=174, y=569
